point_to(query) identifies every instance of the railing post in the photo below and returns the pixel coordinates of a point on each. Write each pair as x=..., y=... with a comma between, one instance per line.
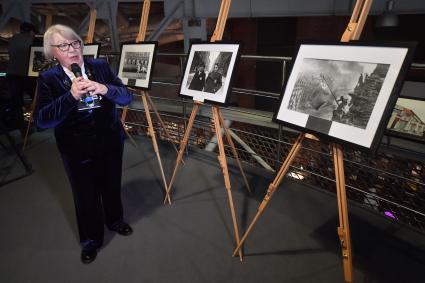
x=279, y=145
x=184, y=107
x=279, y=148
x=184, y=115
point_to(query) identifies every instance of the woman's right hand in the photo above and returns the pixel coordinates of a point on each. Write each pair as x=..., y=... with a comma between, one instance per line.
x=78, y=88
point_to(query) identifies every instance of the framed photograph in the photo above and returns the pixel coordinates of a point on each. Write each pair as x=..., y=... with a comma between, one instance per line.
x=136, y=64
x=91, y=51
x=209, y=70
x=37, y=62
x=344, y=91
x=408, y=120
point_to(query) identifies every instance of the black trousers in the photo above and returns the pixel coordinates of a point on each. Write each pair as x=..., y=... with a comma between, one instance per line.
x=94, y=171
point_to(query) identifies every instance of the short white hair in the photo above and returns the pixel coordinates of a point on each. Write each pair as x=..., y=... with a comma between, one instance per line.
x=63, y=30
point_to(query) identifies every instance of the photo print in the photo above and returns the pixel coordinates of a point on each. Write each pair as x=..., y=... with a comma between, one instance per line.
x=209, y=71
x=344, y=92
x=341, y=91
x=91, y=51
x=136, y=64
x=37, y=62
x=408, y=120
x=215, y=64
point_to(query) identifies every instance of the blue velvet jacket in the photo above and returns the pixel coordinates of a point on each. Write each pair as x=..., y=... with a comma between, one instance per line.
x=56, y=107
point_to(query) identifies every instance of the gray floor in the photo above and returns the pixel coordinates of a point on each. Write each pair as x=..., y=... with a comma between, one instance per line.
x=192, y=240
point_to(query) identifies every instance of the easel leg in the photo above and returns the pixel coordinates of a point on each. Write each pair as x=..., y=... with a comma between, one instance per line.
x=182, y=148
x=154, y=142
x=223, y=164
x=19, y=153
x=155, y=110
x=129, y=135
x=344, y=228
x=235, y=153
x=123, y=117
x=34, y=101
x=273, y=186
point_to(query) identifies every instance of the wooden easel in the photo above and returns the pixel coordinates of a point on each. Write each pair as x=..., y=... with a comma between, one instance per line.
x=218, y=124
x=34, y=100
x=352, y=32
x=92, y=24
x=89, y=39
x=146, y=99
x=48, y=23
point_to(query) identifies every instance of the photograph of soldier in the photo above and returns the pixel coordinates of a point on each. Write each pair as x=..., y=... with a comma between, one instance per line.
x=198, y=80
x=135, y=65
x=339, y=91
x=214, y=80
x=344, y=104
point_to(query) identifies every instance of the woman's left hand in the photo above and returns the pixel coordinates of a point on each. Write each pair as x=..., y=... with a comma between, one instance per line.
x=94, y=87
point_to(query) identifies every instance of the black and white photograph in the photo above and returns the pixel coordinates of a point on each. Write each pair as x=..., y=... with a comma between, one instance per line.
x=344, y=92
x=136, y=64
x=408, y=120
x=209, y=71
x=340, y=91
x=91, y=51
x=37, y=62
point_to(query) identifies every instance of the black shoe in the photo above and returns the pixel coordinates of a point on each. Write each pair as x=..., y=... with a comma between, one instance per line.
x=88, y=255
x=122, y=228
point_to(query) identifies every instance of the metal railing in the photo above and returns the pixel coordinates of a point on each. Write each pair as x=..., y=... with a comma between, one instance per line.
x=392, y=183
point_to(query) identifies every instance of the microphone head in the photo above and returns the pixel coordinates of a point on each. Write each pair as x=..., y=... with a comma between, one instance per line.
x=76, y=70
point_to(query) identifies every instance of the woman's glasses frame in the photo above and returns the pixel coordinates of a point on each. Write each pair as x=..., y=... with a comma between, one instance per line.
x=76, y=44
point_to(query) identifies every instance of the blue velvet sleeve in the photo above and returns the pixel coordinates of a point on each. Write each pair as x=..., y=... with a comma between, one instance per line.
x=55, y=102
x=117, y=91
x=52, y=108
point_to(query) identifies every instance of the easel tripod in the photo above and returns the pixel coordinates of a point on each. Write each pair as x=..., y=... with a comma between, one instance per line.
x=218, y=124
x=146, y=99
x=352, y=32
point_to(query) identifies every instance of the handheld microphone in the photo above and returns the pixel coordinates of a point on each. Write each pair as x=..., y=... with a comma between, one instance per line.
x=76, y=70
x=87, y=101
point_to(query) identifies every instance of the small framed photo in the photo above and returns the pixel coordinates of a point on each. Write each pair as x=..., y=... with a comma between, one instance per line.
x=209, y=71
x=408, y=120
x=344, y=91
x=37, y=62
x=91, y=51
x=136, y=64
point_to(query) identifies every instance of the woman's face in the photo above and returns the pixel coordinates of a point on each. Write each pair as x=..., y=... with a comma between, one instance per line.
x=66, y=58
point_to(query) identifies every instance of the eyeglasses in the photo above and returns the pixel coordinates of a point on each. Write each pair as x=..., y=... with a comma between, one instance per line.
x=65, y=46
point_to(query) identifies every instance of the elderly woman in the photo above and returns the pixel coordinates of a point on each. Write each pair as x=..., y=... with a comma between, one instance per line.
x=90, y=141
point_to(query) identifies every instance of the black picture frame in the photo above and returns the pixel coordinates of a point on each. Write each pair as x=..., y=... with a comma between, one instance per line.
x=220, y=60
x=37, y=63
x=137, y=61
x=91, y=50
x=332, y=110
x=407, y=120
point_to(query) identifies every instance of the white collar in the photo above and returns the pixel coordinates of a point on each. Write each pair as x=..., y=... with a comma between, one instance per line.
x=71, y=75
